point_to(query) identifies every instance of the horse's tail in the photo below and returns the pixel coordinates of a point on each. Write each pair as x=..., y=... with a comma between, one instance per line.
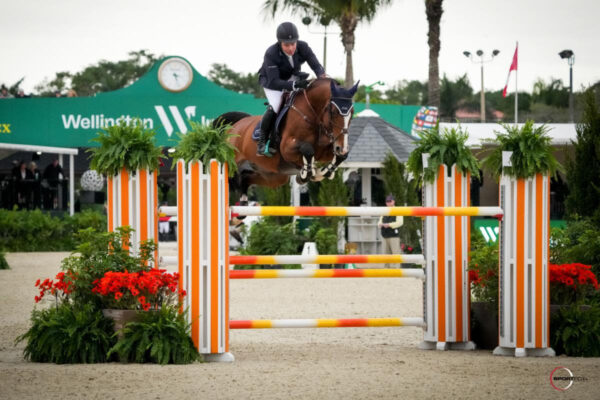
x=229, y=118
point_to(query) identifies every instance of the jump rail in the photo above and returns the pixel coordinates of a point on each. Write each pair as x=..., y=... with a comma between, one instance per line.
x=325, y=323
x=316, y=259
x=326, y=273
x=283, y=211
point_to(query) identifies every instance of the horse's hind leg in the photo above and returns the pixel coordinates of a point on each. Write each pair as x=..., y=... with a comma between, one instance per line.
x=308, y=163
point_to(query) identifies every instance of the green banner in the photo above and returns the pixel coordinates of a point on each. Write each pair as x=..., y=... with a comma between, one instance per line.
x=489, y=228
x=165, y=99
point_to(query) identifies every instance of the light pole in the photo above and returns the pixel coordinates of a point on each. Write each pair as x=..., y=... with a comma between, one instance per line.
x=570, y=56
x=325, y=22
x=368, y=90
x=482, y=60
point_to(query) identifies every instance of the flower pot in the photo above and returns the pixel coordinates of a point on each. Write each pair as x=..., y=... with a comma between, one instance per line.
x=120, y=318
x=484, y=325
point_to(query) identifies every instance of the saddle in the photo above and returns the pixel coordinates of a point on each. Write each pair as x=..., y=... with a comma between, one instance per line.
x=287, y=100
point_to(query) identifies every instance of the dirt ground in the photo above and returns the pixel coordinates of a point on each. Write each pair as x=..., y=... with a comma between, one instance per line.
x=354, y=363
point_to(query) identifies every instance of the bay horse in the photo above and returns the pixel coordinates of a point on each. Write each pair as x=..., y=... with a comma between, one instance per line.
x=315, y=130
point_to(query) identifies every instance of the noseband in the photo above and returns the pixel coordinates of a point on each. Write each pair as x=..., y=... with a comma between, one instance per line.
x=319, y=125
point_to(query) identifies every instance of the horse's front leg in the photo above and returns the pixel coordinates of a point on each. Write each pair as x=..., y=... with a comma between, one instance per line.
x=307, y=171
x=329, y=170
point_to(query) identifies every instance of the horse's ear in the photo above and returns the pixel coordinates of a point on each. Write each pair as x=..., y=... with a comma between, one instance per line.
x=333, y=87
x=354, y=88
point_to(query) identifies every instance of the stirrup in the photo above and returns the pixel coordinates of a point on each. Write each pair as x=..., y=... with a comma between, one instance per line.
x=266, y=152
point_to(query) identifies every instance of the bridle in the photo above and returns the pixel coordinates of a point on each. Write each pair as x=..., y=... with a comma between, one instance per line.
x=319, y=125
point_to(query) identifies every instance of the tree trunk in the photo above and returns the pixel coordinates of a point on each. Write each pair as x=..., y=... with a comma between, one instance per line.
x=348, y=24
x=434, y=11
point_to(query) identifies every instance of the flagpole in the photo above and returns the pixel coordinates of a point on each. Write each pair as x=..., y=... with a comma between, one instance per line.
x=516, y=93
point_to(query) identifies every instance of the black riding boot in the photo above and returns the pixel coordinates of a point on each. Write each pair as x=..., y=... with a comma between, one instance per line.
x=266, y=126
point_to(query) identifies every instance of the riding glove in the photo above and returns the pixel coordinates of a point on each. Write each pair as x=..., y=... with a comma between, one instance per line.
x=301, y=84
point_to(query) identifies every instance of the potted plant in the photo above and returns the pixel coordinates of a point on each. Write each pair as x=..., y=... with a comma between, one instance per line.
x=125, y=146
x=97, y=282
x=448, y=147
x=205, y=142
x=531, y=148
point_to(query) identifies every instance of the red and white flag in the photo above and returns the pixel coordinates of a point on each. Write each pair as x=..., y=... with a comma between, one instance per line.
x=513, y=67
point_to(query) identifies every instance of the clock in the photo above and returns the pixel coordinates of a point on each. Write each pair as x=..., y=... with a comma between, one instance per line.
x=175, y=74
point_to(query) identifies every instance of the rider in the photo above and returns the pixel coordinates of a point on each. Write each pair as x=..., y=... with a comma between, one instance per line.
x=281, y=71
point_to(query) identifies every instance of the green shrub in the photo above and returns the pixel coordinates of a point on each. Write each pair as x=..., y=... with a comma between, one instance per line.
x=128, y=146
x=583, y=170
x=397, y=182
x=68, y=334
x=32, y=231
x=24, y=230
x=3, y=263
x=483, y=270
x=267, y=237
x=86, y=219
x=579, y=242
x=575, y=331
x=161, y=337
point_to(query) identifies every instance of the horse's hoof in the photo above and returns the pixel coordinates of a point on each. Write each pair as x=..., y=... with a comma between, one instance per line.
x=331, y=175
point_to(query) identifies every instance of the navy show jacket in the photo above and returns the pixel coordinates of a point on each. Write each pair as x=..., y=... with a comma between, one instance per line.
x=276, y=68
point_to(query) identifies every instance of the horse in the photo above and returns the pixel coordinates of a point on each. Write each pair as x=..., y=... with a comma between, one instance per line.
x=315, y=130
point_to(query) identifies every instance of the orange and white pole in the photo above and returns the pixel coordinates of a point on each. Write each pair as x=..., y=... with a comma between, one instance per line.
x=203, y=260
x=132, y=201
x=446, y=240
x=524, y=290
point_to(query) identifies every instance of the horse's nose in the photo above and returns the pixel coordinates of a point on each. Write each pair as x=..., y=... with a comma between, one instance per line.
x=339, y=150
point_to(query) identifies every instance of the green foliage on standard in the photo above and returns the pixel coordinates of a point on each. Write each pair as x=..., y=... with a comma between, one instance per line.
x=125, y=145
x=68, y=334
x=161, y=336
x=532, y=152
x=205, y=142
x=448, y=147
x=575, y=331
x=583, y=171
x=26, y=230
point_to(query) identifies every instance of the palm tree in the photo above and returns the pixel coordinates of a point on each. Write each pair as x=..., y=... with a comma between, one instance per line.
x=434, y=11
x=347, y=14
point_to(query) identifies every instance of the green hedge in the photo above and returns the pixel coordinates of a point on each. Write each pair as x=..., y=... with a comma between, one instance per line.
x=37, y=231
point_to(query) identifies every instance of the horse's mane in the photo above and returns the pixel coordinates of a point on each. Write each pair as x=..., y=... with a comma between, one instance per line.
x=318, y=82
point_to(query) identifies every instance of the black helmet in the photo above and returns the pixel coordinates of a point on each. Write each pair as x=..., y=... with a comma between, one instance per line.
x=287, y=32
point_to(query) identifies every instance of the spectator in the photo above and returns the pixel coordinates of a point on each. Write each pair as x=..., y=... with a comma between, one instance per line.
x=57, y=93
x=21, y=94
x=390, y=231
x=4, y=94
x=36, y=198
x=71, y=93
x=23, y=178
x=53, y=174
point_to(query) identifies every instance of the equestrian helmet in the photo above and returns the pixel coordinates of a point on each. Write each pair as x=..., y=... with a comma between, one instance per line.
x=287, y=32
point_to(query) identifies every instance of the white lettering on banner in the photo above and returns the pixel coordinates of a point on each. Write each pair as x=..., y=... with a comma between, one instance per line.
x=190, y=111
x=98, y=121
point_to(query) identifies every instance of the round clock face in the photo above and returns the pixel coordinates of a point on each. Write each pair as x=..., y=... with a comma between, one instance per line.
x=175, y=74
